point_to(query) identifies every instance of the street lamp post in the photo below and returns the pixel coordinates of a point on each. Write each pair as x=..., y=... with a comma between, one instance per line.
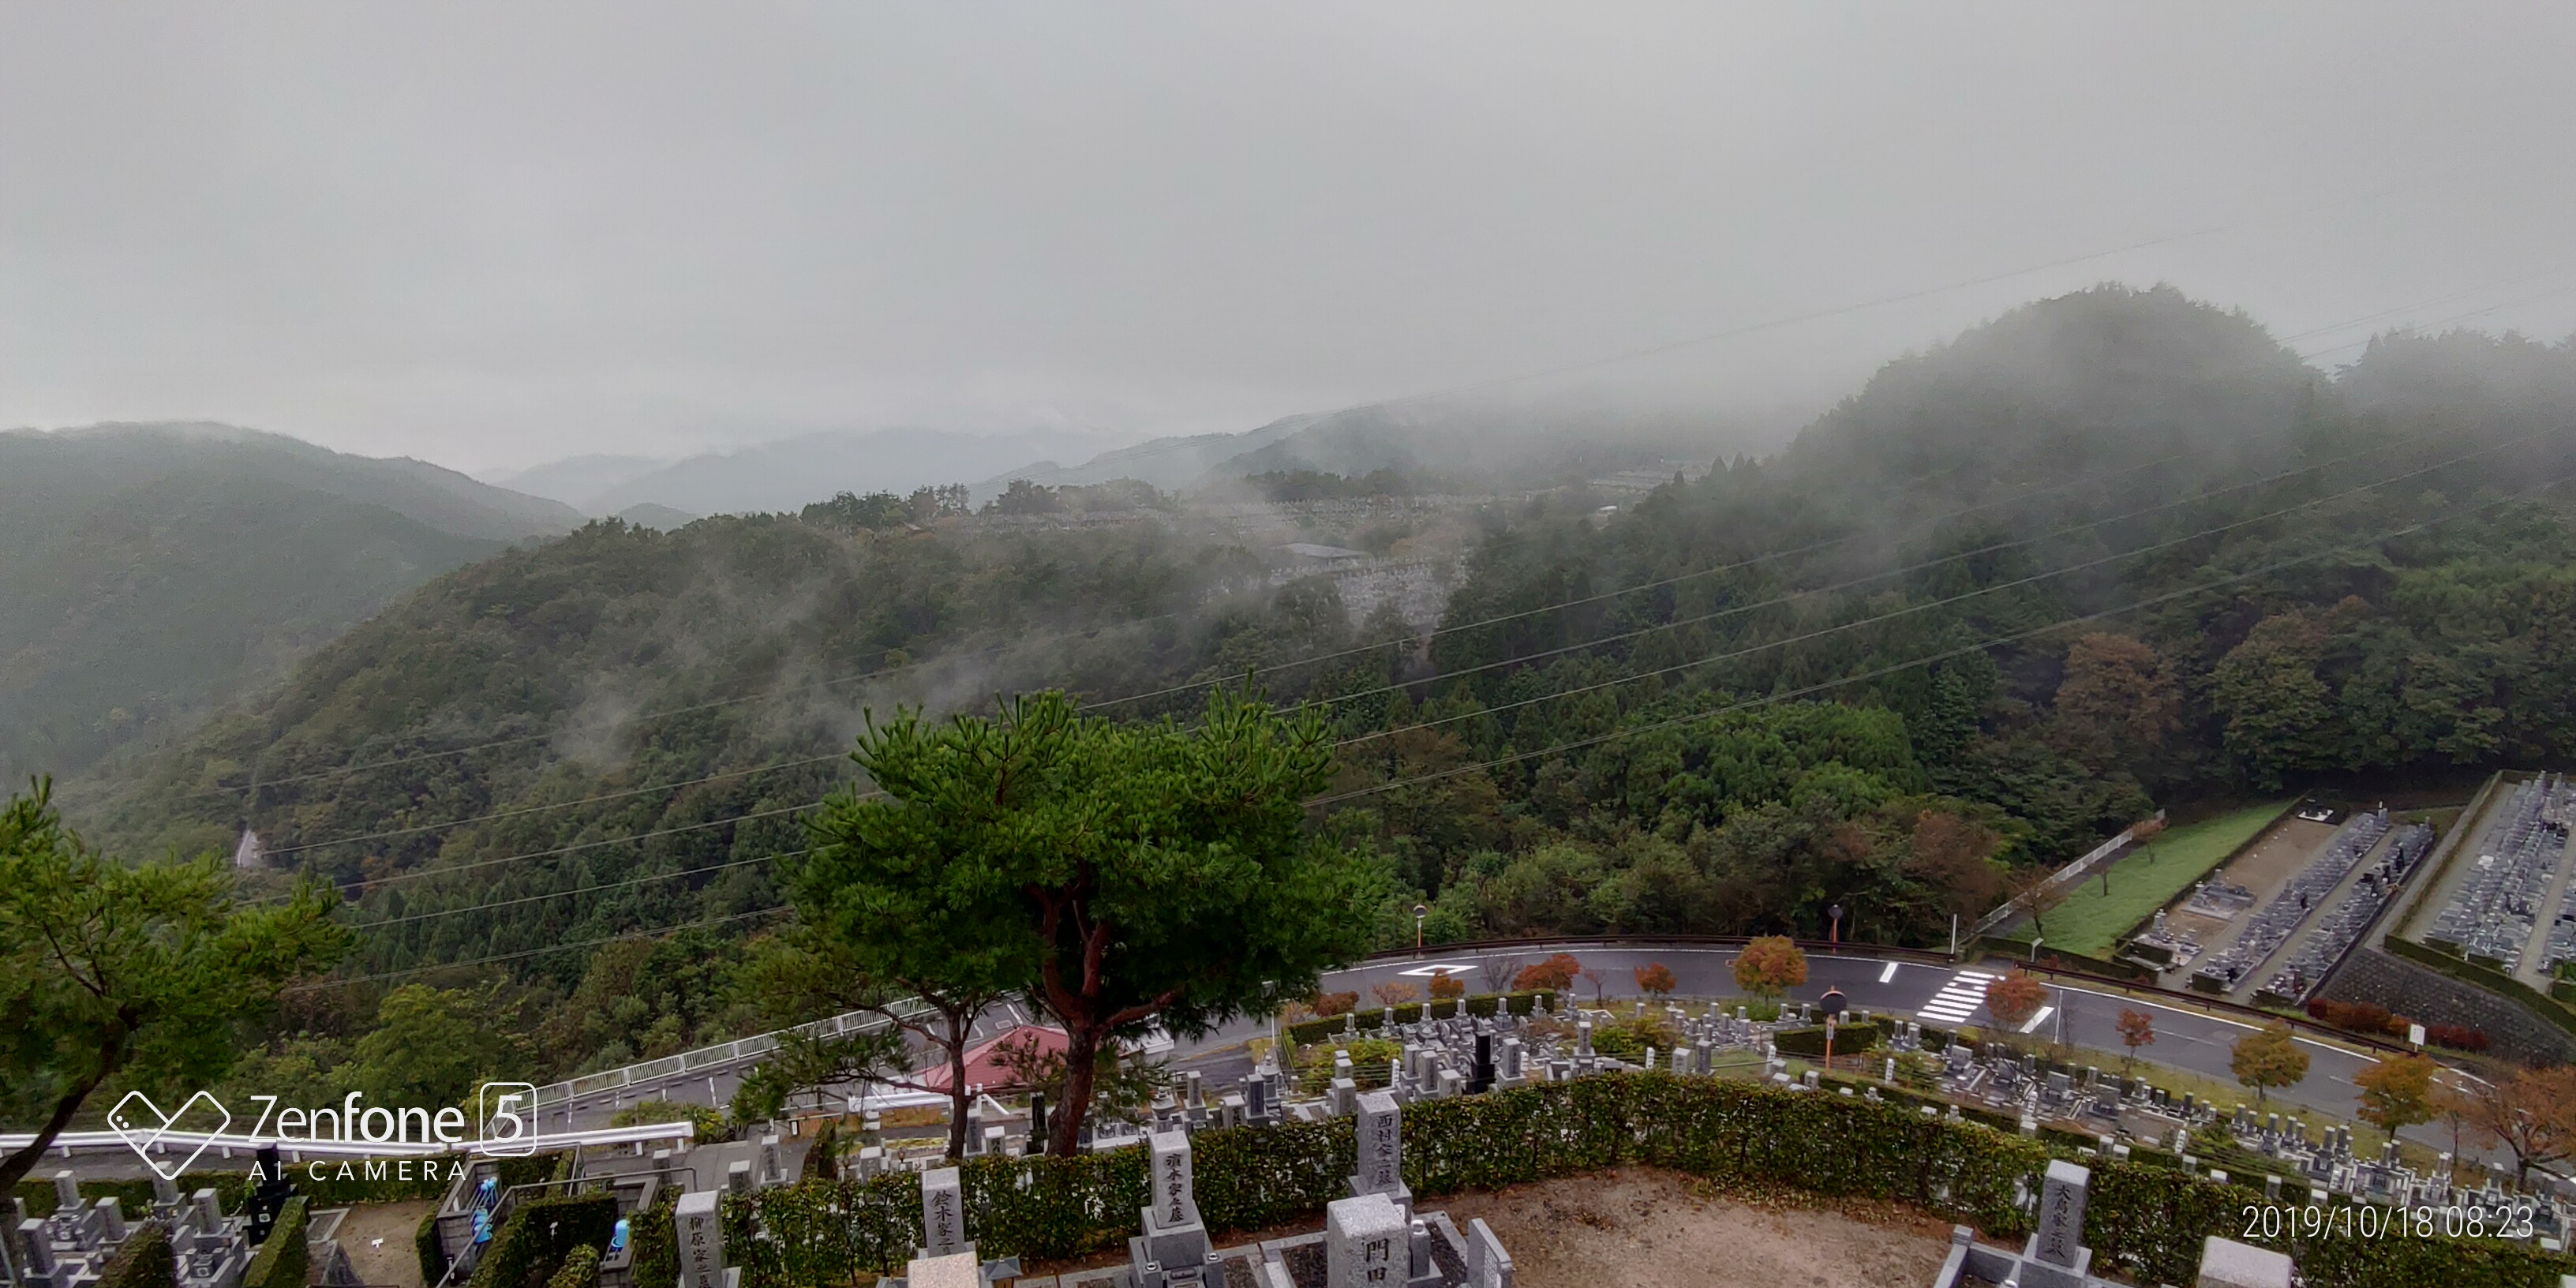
x=1834, y=935
x=1833, y=1005
x=1420, y=911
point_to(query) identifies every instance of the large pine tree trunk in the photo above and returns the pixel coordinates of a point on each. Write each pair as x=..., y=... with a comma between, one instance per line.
x=1081, y=1060
x=959, y=1098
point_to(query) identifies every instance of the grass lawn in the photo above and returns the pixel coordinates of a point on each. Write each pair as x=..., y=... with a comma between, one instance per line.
x=2090, y=922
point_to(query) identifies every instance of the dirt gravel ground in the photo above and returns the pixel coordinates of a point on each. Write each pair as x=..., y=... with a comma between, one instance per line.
x=1642, y=1228
x=395, y=1264
x=1638, y=1227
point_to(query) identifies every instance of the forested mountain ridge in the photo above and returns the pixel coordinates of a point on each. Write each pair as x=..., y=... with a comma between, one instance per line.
x=152, y=570
x=1833, y=676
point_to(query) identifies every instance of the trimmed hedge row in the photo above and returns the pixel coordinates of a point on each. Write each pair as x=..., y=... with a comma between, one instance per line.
x=146, y=1261
x=826, y=1232
x=2151, y=1221
x=533, y=1243
x=283, y=1258
x=1482, y=1006
x=2144, y=1216
x=426, y=1246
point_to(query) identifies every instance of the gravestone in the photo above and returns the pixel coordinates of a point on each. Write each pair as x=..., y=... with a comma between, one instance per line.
x=943, y=1213
x=2225, y=1263
x=2059, y=1241
x=1174, y=1250
x=1488, y=1266
x=1379, y=1135
x=701, y=1242
x=35, y=1247
x=1367, y=1243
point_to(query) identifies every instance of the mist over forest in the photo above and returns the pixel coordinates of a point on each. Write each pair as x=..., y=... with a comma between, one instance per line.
x=2113, y=552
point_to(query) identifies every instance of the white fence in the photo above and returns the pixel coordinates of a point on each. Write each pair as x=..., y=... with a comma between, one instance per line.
x=2063, y=877
x=704, y=1060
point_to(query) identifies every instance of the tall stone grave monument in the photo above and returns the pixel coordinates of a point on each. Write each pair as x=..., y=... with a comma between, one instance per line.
x=1380, y=1136
x=946, y=1258
x=701, y=1243
x=1174, y=1248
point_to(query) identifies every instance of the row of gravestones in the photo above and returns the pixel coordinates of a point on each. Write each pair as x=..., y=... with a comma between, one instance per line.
x=71, y=1248
x=1372, y=1239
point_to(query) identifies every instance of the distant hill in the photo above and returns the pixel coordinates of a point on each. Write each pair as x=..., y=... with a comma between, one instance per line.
x=574, y=480
x=1474, y=443
x=152, y=570
x=2084, y=384
x=646, y=514
x=784, y=476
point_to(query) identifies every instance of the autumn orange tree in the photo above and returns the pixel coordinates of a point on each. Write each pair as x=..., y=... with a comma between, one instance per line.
x=2268, y=1058
x=1769, y=967
x=1656, y=979
x=1446, y=985
x=1556, y=974
x=2531, y=1113
x=2013, y=999
x=1394, y=992
x=2397, y=1093
x=2137, y=1029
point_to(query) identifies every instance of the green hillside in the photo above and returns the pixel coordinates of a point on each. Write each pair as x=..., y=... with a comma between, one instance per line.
x=153, y=571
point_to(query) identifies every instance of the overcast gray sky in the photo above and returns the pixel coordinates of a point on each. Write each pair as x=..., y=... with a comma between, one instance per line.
x=492, y=235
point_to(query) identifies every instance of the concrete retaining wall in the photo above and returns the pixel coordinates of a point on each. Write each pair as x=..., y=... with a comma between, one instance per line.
x=2428, y=996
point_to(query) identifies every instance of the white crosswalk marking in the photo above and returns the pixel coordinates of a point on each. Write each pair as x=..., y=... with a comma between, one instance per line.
x=1957, y=999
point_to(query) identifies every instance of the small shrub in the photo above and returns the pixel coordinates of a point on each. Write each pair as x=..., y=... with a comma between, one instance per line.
x=1328, y=1005
x=580, y=1269
x=284, y=1257
x=146, y=1261
x=1445, y=986
x=2458, y=1037
x=1369, y=1060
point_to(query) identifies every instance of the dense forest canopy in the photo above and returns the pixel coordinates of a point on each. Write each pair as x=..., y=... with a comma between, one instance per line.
x=2115, y=551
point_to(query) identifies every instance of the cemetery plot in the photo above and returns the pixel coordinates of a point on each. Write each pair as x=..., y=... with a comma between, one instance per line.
x=2331, y=938
x=2266, y=931
x=2219, y=902
x=2511, y=881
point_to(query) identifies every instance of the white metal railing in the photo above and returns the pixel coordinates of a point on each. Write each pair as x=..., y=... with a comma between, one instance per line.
x=2065, y=876
x=720, y=1056
x=182, y=1144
